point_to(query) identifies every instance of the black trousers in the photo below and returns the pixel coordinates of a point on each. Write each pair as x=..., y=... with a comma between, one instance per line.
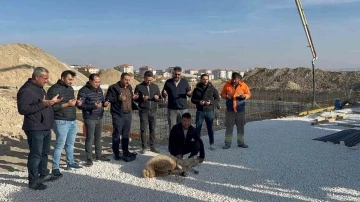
x=121, y=127
x=39, y=145
x=147, y=120
x=193, y=148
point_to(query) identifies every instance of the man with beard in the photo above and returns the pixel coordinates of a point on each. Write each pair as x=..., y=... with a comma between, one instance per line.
x=206, y=98
x=92, y=107
x=121, y=97
x=34, y=103
x=177, y=90
x=65, y=126
x=149, y=95
x=235, y=92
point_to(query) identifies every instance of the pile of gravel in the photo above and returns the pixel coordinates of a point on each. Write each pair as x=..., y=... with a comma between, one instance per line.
x=282, y=163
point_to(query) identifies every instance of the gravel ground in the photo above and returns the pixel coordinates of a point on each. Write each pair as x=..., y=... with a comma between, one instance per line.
x=282, y=163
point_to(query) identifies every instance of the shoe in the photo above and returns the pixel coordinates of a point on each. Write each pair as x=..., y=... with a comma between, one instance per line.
x=102, y=158
x=243, y=145
x=143, y=151
x=128, y=156
x=50, y=177
x=226, y=146
x=117, y=157
x=89, y=162
x=74, y=165
x=37, y=186
x=212, y=147
x=153, y=149
x=56, y=173
x=196, y=172
x=183, y=174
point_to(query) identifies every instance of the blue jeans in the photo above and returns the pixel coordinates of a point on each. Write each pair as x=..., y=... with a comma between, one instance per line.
x=65, y=136
x=209, y=120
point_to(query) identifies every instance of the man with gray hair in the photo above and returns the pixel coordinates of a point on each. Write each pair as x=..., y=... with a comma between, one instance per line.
x=34, y=103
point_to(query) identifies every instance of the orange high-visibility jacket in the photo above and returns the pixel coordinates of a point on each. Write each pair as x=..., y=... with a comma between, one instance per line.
x=236, y=103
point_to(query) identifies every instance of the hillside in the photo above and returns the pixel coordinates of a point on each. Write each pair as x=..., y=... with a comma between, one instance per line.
x=18, y=60
x=301, y=79
x=111, y=76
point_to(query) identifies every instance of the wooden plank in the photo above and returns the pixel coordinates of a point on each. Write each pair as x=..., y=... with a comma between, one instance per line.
x=327, y=120
x=316, y=111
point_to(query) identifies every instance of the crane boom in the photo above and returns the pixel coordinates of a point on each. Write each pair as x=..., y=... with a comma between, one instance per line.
x=311, y=44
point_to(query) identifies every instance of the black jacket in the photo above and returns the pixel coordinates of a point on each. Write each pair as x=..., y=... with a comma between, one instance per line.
x=142, y=90
x=89, y=97
x=66, y=93
x=208, y=92
x=37, y=116
x=112, y=95
x=177, y=140
x=177, y=96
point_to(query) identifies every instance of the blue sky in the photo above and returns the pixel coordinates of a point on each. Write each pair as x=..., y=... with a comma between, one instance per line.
x=233, y=34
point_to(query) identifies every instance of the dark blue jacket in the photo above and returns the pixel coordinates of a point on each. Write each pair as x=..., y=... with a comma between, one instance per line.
x=177, y=96
x=89, y=97
x=37, y=116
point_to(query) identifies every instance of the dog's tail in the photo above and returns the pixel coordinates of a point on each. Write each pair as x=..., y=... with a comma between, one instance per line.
x=148, y=172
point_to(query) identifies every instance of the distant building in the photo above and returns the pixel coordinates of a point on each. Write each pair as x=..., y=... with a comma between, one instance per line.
x=205, y=71
x=125, y=68
x=191, y=71
x=219, y=74
x=87, y=68
x=143, y=69
x=228, y=74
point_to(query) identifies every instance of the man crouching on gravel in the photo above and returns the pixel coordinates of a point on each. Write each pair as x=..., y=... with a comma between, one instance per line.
x=34, y=104
x=185, y=139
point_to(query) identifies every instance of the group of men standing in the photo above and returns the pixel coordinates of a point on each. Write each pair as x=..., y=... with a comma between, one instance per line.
x=56, y=109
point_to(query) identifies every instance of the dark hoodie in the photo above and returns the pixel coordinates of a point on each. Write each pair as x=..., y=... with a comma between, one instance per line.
x=66, y=93
x=89, y=97
x=208, y=92
x=37, y=116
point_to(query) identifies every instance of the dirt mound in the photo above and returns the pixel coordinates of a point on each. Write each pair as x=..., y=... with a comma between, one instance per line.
x=301, y=79
x=11, y=121
x=111, y=76
x=17, y=62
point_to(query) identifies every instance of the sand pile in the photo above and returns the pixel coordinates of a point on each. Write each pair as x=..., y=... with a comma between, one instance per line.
x=111, y=76
x=10, y=121
x=18, y=60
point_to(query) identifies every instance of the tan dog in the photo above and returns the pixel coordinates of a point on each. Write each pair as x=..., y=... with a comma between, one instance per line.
x=163, y=165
